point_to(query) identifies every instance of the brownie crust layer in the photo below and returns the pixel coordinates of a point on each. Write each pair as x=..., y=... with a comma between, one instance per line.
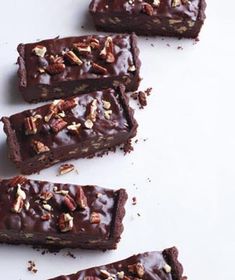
x=180, y=18
x=60, y=68
x=78, y=127
x=53, y=215
x=147, y=266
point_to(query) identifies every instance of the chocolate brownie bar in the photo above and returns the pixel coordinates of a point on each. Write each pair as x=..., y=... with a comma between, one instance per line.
x=180, y=18
x=60, y=68
x=148, y=266
x=77, y=127
x=53, y=215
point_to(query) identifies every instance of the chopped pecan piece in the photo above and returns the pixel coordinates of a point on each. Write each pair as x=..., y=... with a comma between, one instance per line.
x=46, y=217
x=30, y=125
x=88, y=124
x=92, y=110
x=70, y=203
x=98, y=69
x=18, y=180
x=66, y=168
x=106, y=104
x=104, y=274
x=120, y=274
x=47, y=207
x=73, y=58
x=56, y=59
x=55, y=68
x=107, y=52
x=167, y=268
x=95, y=218
x=39, y=147
x=39, y=50
x=20, y=192
x=65, y=222
x=57, y=125
x=107, y=114
x=68, y=104
x=46, y=196
x=53, y=109
x=94, y=43
x=81, y=199
x=74, y=127
x=137, y=269
x=147, y=9
x=156, y=3
x=176, y=3
x=82, y=48
x=18, y=205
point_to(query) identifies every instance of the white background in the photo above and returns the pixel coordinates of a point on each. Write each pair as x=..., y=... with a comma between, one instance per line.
x=189, y=154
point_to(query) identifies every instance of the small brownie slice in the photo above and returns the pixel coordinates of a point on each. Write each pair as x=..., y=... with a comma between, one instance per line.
x=66, y=129
x=60, y=68
x=53, y=215
x=148, y=266
x=180, y=18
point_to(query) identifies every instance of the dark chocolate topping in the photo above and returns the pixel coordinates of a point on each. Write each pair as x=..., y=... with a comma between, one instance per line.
x=146, y=266
x=49, y=63
x=67, y=123
x=165, y=9
x=44, y=203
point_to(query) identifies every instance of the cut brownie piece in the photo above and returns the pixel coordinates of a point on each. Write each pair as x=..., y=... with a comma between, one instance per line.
x=149, y=266
x=66, y=129
x=60, y=68
x=53, y=215
x=180, y=18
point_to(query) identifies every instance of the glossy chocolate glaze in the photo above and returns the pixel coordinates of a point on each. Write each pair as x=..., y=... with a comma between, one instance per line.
x=108, y=130
x=165, y=17
x=154, y=263
x=28, y=226
x=75, y=78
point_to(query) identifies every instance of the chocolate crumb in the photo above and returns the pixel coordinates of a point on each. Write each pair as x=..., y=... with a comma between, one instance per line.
x=127, y=148
x=138, y=214
x=141, y=97
x=32, y=267
x=69, y=254
x=179, y=48
x=134, y=200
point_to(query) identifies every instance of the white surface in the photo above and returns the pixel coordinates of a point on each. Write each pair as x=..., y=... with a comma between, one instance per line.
x=189, y=155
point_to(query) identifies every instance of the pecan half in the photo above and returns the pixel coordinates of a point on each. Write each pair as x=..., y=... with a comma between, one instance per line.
x=147, y=9
x=98, y=69
x=137, y=269
x=55, y=68
x=73, y=58
x=65, y=222
x=57, y=125
x=30, y=125
x=39, y=147
x=18, y=180
x=81, y=199
x=70, y=203
x=95, y=218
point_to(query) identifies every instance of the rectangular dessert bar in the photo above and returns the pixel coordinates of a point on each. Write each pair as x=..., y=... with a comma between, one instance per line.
x=149, y=266
x=180, y=18
x=60, y=68
x=53, y=215
x=77, y=127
